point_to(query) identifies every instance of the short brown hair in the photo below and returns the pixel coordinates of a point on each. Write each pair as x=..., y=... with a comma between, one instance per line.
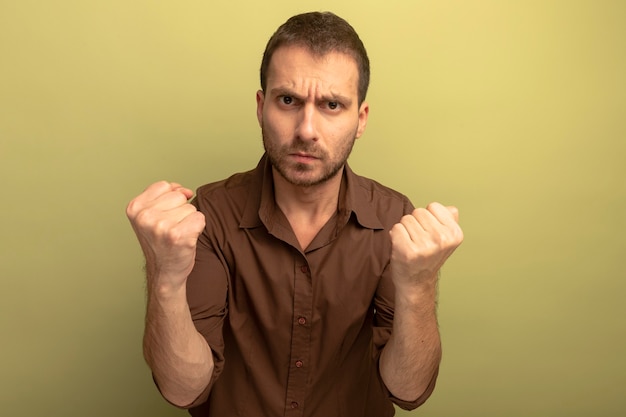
x=320, y=33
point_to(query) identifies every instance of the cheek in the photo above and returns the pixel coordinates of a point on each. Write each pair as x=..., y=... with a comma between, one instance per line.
x=339, y=130
x=277, y=125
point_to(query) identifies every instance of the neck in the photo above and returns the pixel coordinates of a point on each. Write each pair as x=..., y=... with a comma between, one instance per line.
x=307, y=208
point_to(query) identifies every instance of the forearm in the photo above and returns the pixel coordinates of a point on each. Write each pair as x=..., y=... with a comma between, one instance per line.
x=180, y=358
x=412, y=355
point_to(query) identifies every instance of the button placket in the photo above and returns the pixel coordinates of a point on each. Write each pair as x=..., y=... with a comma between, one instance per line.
x=301, y=336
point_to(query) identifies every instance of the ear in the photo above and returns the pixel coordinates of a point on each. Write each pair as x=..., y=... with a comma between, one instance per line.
x=364, y=111
x=260, y=101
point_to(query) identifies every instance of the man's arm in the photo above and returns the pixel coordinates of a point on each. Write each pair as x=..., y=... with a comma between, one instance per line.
x=421, y=243
x=167, y=228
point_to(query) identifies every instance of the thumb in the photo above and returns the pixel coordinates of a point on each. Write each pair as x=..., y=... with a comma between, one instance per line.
x=186, y=191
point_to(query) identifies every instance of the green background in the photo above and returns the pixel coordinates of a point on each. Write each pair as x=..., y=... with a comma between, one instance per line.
x=515, y=111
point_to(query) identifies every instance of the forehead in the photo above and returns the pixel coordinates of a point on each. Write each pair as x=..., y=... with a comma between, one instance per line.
x=298, y=67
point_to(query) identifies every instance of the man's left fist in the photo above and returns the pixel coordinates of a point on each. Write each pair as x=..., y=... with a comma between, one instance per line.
x=421, y=243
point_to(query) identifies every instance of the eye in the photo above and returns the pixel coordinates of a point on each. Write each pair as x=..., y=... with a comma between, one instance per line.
x=286, y=100
x=333, y=105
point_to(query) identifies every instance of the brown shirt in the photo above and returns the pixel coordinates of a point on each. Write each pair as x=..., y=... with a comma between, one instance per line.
x=294, y=333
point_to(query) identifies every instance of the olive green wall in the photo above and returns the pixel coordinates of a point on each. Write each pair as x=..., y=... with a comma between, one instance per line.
x=514, y=111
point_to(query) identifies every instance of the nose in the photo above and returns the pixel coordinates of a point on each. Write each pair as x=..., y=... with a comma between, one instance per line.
x=306, y=129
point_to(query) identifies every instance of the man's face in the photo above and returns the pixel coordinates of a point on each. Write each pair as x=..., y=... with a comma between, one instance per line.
x=309, y=114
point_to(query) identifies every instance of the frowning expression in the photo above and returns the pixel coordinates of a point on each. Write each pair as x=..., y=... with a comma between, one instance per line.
x=309, y=114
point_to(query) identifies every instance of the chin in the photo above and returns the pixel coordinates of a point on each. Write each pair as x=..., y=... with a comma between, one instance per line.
x=308, y=177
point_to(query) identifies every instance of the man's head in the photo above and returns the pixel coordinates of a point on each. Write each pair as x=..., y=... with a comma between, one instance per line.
x=320, y=33
x=311, y=108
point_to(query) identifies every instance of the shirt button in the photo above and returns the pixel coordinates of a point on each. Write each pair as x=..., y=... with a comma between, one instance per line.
x=294, y=405
x=302, y=321
x=299, y=364
x=304, y=269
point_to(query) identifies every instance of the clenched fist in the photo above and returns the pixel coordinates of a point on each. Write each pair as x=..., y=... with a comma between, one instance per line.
x=167, y=228
x=421, y=243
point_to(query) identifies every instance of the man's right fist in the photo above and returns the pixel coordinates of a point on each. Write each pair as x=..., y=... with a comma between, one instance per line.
x=167, y=228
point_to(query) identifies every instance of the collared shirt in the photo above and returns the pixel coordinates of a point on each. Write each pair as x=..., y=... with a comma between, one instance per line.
x=294, y=332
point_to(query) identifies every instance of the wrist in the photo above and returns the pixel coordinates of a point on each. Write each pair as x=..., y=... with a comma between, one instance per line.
x=163, y=286
x=419, y=292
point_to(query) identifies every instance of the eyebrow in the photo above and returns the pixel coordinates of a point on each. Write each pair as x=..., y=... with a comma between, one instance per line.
x=286, y=91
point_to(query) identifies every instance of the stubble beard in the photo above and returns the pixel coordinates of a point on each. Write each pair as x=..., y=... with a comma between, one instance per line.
x=295, y=173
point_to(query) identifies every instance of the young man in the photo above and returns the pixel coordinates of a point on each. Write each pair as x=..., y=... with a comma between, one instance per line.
x=298, y=288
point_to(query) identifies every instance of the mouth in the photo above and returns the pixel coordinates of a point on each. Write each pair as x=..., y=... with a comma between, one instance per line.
x=303, y=156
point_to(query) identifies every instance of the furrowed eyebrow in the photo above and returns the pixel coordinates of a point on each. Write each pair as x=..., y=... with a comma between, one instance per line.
x=285, y=91
x=337, y=98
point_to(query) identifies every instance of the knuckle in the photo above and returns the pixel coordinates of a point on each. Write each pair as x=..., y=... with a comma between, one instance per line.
x=161, y=185
x=395, y=233
x=419, y=211
x=163, y=227
x=457, y=235
x=179, y=197
x=144, y=218
x=404, y=219
x=173, y=237
x=177, y=235
x=132, y=209
x=201, y=219
x=135, y=207
x=447, y=240
x=438, y=237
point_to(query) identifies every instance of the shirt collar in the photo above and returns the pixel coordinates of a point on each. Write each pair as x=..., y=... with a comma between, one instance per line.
x=354, y=197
